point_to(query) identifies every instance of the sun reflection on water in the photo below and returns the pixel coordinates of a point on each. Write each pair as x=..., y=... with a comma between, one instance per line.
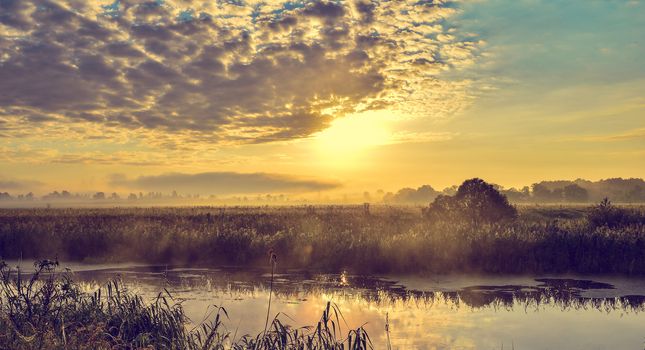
x=526, y=317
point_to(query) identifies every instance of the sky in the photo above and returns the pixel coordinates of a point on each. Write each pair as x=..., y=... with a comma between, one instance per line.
x=308, y=97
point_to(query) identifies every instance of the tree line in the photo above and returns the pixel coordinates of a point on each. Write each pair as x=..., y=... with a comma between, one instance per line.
x=578, y=191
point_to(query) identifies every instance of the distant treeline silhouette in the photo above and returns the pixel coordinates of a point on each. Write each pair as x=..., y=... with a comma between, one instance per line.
x=617, y=190
x=563, y=191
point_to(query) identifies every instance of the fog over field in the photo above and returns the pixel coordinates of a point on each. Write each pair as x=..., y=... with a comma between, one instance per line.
x=264, y=189
x=322, y=174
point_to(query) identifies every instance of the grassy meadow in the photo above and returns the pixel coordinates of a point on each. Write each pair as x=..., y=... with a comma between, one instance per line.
x=379, y=239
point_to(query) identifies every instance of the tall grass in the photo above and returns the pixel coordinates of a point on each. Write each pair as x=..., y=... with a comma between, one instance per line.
x=46, y=310
x=389, y=239
x=272, y=261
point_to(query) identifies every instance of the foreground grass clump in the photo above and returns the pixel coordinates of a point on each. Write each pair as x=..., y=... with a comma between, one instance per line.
x=601, y=239
x=46, y=310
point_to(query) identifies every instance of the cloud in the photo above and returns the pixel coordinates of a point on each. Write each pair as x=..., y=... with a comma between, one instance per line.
x=10, y=185
x=220, y=71
x=223, y=183
x=14, y=185
x=407, y=137
x=121, y=158
x=635, y=134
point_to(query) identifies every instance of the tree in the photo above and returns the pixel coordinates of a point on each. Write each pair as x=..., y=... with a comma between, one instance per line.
x=635, y=194
x=515, y=195
x=482, y=202
x=475, y=201
x=443, y=208
x=423, y=194
x=575, y=193
x=541, y=193
x=450, y=191
x=558, y=195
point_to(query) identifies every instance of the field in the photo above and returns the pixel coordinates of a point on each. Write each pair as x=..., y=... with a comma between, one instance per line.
x=379, y=239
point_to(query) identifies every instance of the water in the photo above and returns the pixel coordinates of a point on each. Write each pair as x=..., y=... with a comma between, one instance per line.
x=432, y=312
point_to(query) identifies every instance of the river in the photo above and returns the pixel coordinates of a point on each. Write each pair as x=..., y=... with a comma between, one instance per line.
x=424, y=312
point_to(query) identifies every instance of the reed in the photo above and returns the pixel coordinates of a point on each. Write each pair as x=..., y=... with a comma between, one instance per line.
x=47, y=310
x=554, y=239
x=273, y=258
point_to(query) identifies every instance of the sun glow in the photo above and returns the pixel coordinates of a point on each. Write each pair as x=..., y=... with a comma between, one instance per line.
x=354, y=134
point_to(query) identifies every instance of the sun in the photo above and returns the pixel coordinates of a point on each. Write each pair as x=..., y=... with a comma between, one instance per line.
x=351, y=141
x=351, y=136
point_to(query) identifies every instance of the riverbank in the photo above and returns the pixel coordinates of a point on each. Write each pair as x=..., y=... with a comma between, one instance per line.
x=381, y=240
x=48, y=310
x=442, y=311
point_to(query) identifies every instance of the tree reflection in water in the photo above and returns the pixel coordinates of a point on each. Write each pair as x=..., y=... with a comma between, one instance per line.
x=565, y=293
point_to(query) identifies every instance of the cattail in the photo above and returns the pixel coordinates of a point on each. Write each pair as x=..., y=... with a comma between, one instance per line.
x=272, y=261
x=273, y=258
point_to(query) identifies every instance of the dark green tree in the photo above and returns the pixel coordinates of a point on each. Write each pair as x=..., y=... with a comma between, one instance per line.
x=475, y=201
x=481, y=202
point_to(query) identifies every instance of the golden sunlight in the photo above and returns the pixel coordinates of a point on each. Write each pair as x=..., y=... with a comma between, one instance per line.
x=322, y=174
x=348, y=136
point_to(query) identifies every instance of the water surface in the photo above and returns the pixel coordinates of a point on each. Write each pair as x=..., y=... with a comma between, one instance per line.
x=430, y=312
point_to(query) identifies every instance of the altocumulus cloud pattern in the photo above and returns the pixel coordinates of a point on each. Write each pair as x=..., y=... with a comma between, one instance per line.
x=221, y=71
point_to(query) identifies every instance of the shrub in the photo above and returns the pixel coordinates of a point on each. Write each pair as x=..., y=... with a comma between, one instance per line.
x=475, y=201
x=606, y=214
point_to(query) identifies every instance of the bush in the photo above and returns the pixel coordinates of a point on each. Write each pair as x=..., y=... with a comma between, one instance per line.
x=608, y=215
x=475, y=201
